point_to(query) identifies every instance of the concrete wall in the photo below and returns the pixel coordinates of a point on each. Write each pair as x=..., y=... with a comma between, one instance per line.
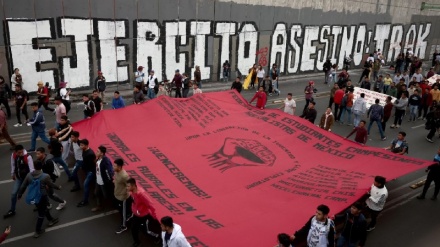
x=70, y=40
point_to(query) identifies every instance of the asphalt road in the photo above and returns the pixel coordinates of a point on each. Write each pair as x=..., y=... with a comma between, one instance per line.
x=405, y=222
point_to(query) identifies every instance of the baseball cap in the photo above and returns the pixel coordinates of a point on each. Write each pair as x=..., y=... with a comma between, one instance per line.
x=140, y=67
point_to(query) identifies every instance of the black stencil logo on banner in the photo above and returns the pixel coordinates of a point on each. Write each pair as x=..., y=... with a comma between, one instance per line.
x=241, y=152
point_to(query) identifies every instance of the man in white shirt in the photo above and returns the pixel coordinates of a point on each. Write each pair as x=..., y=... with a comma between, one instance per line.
x=104, y=178
x=139, y=75
x=376, y=201
x=77, y=151
x=418, y=76
x=289, y=105
x=152, y=82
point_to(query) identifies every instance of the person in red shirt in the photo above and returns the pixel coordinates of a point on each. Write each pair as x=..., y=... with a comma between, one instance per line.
x=361, y=133
x=261, y=98
x=337, y=99
x=43, y=96
x=426, y=103
x=144, y=215
x=387, y=109
x=425, y=85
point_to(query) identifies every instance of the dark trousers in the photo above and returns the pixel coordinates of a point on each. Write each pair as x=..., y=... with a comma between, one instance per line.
x=148, y=225
x=428, y=182
x=42, y=212
x=307, y=103
x=431, y=133
x=185, y=92
x=384, y=123
x=102, y=192
x=398, y=116
x=373, y=215
x=425, y=111
x=330, y=102
x=178, y=93
x=124, y=208
x=364, y=74
x=18, y=111
x=45, y=105
x=336, y=112
x=5, y=102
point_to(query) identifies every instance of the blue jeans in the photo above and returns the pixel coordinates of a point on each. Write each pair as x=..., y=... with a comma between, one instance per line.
x=90, y=178
x=61, y=162
x=40, y=134
x=78, y=165
x=342, y=241
x=413, y=111
x=348, y=110
x=379, y=125
x=150, y=93
x=385, y=88
x=17, y=185
x=357, y=118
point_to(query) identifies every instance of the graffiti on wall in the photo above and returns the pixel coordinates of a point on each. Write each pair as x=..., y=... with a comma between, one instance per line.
x=182, y=45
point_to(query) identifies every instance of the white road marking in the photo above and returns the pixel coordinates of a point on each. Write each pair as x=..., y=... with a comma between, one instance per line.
x=418, y=126
x=6, y=181
x=49, y=229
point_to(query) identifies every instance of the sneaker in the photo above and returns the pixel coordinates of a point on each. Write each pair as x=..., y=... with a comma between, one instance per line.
x=420, y=197
x=129, y=218
x=383, y=139
x=371, y=229
x=121, y=230
x=75, y=188
x=18, y=125
x=429, y=140
x=61, y=205
x=39, y=233
x=82, y=204
x=10, y=213
x=53, y=222
x=397, y=126
x=28, y=124
x=61, y=167
x=96, y=209
x=349, y=124
x=270, y=94
x=49, y=206
x=393, y=126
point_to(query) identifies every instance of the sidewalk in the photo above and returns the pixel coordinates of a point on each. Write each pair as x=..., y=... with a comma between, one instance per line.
x=126, y=89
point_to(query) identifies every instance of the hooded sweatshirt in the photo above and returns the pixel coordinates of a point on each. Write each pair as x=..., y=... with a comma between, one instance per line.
x=177, y=238
x=44, y=184
x=377, y=198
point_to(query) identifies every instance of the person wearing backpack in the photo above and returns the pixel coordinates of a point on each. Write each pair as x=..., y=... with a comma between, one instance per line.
x=50, y=168
x=43, y=96
x=21, y=165
x=5, y=95
x=89, y=107
x=38, y=184
x=376, y=114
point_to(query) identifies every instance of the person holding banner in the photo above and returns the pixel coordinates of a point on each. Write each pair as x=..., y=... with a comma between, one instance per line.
x=327, y=120
x=261, y=98
x=400, y=106
x=387, y=109
x=376, y=114
x=359, y=109
x=289, y=105
x=310, y=112
x=361, y=133
x=375, y=203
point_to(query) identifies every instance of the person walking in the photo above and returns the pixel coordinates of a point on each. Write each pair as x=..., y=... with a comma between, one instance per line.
x=64, y=93
x=310, y=113
x=172, y=235
x=5, y=95
x=77, y=151
x=4, y=130
x=44, y=184
x=414, y=102
x=89, y=167
x=60, y=110
x=21, y=99
x=354, y=230
x=387, y=110
x=327, y=120
x=261, y=98
x=332, y=95
x=433, y=176
x=152, y=85
x=319, y=230
x=226, y=70
x=400, y=106
x=104, y=186
x=376, y=201
x=38, y=127
x=260, y=76
x=326, y=67
x=289, y=105
x=186, y=83
x=144, y=215
x=339, y=95
x=139, y=77
x=361, y=133
x=122, y=198
x=274, y=74
x=43, y=96
x=21, y=165
x=309, y=91
x=198, y=77
x=376, y=114
x=432, y=123
x=359, y=109
x=89, y=106
x=177, y=80
x=100, y=85
x=56, y=149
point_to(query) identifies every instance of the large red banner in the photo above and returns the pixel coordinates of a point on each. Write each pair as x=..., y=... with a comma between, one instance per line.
x=233, y=175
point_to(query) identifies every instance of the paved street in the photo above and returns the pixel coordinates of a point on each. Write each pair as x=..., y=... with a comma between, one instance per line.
x=403, y=213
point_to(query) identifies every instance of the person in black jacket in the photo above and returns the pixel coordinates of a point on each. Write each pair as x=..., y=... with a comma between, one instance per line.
x=237, y=85
x=310, y=112
x=49, y=168
x=433, y=175
x=89, y=167
x=354, y=232
x=104, y=178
